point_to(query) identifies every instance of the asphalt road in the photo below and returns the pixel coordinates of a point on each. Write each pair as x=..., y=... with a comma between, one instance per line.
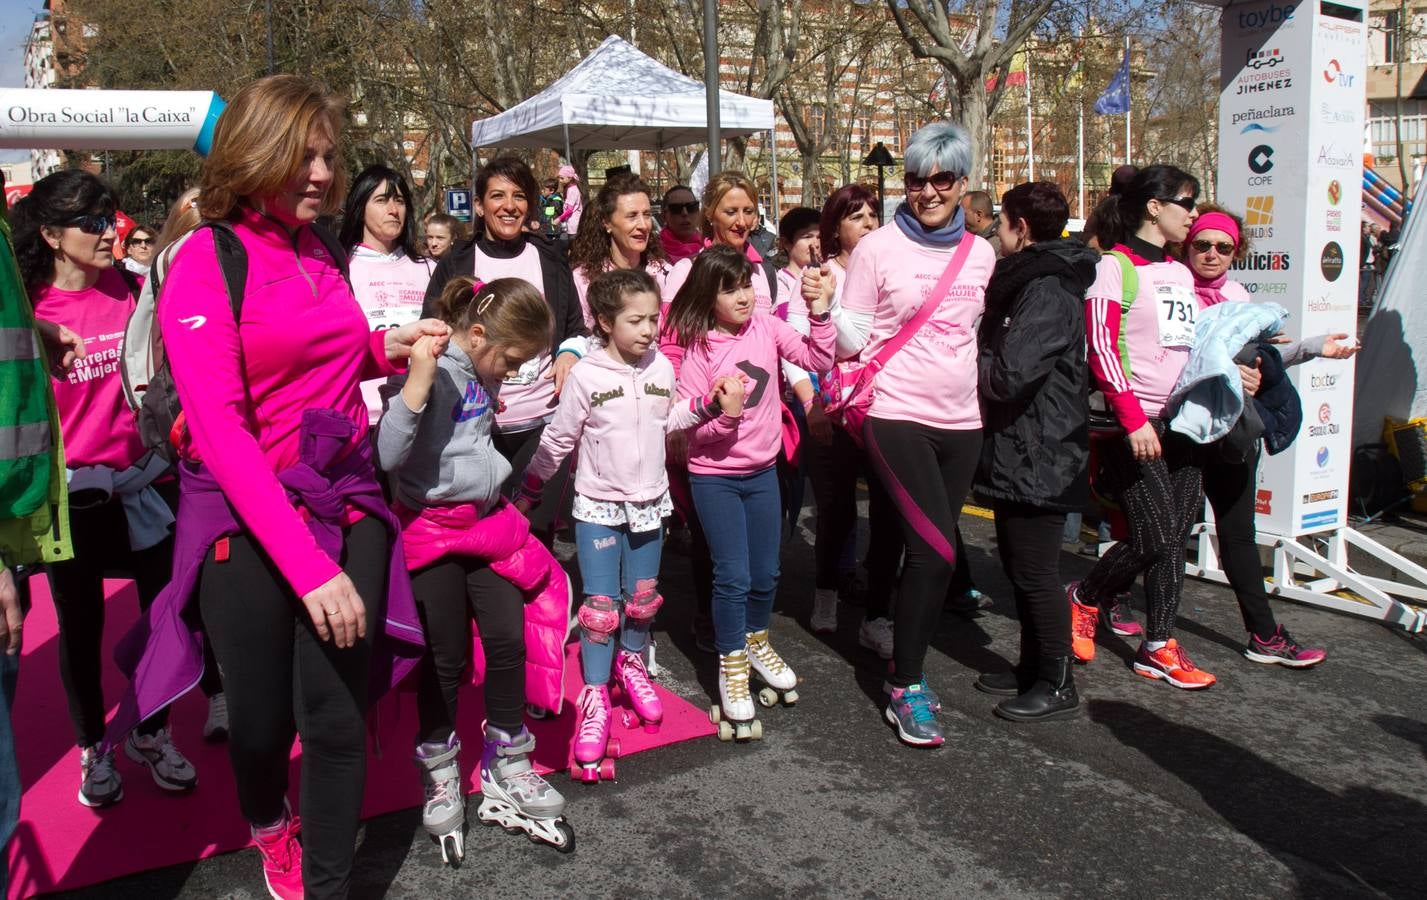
x=1273, y=783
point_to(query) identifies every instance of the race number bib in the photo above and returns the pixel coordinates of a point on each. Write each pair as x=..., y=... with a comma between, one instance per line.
x=528, y=372
x=1175, y=306
x=385, y=318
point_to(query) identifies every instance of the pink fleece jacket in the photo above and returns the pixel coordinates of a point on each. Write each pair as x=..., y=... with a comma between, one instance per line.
x=617, y=415
x=749, y=443
x=502, y=538
x=304, y=344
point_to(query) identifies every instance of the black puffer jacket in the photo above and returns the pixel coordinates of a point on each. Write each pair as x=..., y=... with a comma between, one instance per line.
x=1034, y=378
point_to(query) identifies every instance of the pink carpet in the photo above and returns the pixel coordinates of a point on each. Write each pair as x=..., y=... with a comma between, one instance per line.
x=62, y=845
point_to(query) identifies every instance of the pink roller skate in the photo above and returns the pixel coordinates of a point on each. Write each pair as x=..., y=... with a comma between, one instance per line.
x=645, y=602
x=599, y=617
x=629, y=671
x=593, y=751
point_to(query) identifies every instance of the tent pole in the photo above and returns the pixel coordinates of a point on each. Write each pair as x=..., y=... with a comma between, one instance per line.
x=659, y=164
x=711, y=86
x=569, y=157
x=773, y=171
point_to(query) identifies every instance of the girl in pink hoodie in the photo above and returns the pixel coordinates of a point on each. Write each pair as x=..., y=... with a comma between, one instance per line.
x=617, y=407
x=732, y=471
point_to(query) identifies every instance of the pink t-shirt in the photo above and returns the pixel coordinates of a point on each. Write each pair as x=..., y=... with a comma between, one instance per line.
x=390, y=289
x=528, y=399
x=932, y=379
x=657, y=269
x=762, y=296
x=1156, y=336
x=95, y=421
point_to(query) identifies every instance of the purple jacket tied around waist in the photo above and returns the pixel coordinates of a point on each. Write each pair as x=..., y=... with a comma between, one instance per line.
x=163, y=653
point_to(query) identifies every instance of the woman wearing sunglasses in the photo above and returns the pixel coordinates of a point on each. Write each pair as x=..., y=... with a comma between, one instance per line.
x=1216, y=239
x=1140, y=329
x=923, y=429
x=122, y=500
x=139, y=247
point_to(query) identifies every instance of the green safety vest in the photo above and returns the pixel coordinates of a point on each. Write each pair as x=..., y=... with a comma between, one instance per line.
x=34, y=501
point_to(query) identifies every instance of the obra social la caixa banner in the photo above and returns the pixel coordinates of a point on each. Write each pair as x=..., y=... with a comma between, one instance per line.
x=1290, y=128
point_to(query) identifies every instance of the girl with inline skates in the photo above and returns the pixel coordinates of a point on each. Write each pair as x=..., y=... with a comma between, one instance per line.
x=471, y=554
x=732, y=463
x=617, y=406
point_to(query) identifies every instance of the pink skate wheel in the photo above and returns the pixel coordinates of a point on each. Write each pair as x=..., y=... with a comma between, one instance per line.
x=651, y=727
x=612, y=748
x=607, y=770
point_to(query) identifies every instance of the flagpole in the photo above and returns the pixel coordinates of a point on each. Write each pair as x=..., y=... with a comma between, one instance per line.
x=1128, y=104
x=1030, y=130
x=1080, y=155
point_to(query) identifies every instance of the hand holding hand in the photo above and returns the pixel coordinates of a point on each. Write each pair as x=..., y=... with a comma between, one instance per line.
x=337, y=611
x=399, y=341
x=728, y=391
x=818, y=287
x=819, y=425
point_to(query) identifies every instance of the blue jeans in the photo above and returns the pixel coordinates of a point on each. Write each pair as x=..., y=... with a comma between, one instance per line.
x=10, y=786
x=740, y=515
x=612, y=561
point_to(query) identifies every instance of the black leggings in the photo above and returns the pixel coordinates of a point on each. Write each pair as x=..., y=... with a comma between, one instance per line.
x=518, y=448
x=1028, y=538
x=1231, y=489
x=448, y=593
x=282, y=680
x=834, y=468
x=927, y=471
x=1161, y=500
x=101, y=547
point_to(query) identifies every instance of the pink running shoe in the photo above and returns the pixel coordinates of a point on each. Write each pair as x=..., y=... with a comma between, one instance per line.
x=592, y=731
x=1117, y=617
x=599, y=617
x=645, y=602
x=1282, y=650
x=282, y=857
x=629, y=671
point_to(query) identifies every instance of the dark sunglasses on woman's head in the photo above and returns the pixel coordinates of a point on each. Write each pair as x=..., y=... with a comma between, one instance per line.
x=683, y=208
x=1224, y=248
x=92, y=224
x=1184, y=203
x=942, y=181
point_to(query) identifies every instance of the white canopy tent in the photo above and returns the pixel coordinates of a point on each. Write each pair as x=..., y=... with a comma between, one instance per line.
x=619, y=98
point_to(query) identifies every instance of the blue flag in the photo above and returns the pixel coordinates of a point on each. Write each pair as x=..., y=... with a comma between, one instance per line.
x=1116, y=98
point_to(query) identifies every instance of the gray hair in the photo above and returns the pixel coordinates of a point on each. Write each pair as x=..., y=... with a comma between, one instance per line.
x=942, y=145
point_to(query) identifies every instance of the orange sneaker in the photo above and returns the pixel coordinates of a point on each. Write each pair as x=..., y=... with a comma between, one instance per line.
x=1082, y=625
x=1170, y=663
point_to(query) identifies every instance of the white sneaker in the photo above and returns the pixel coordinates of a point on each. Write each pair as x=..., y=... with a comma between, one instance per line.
x=215, y=729
x=101, y=784
x=876, y=635
x=824, y=619
x=171, y=770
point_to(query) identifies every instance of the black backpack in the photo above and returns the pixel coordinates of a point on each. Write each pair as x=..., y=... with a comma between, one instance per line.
x=159, y=412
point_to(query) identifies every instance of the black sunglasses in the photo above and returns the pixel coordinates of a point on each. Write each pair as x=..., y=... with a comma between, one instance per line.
x=92, y=224
x=942, y=181
x=1224, y=248
x=683, y=208
x=134, y=242
x=1184, y=203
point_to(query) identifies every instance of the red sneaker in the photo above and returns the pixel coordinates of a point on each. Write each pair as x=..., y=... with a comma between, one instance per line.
x=282, y=858
x=1082, y=624
x=1170, y=663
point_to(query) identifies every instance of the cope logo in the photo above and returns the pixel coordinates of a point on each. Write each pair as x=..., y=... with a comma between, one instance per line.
x=1331, y=261
x=1334, y=74
x=1335, y=192
x=1326, y=425
x=1322, y=457
x=1273, y=14
x=1261, y=163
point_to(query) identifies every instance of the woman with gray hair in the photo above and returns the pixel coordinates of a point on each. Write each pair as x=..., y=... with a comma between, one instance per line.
x=915, y=290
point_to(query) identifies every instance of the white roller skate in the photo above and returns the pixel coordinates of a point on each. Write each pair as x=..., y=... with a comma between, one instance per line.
x=734, y=714
x=444, y=812
x=514, y=797
x=782, y=683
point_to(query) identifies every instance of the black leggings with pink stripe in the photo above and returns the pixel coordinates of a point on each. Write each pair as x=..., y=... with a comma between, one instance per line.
x=928, y=472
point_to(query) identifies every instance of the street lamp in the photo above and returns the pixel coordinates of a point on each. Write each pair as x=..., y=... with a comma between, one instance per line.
x=880, y=157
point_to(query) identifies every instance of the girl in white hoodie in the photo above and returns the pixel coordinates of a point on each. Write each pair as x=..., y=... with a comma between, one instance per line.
x=617, y=406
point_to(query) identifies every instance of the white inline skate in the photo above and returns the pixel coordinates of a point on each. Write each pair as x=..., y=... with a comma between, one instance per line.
x=782, y=683
x=444, y=812
x=734, y=714
x=514, y=797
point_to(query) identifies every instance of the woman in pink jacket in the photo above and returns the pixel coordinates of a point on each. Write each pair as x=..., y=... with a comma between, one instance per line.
x=732, y=461
x=617, y=408
x=306, y=571
x=623, y=240
x=574, y=206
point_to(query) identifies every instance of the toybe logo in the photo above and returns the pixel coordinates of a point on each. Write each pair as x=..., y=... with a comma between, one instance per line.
x=1332, y=261
x=1334, y=74
x=1273, y=14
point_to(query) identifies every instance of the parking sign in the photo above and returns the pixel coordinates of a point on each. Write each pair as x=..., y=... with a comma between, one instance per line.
x=458, y=203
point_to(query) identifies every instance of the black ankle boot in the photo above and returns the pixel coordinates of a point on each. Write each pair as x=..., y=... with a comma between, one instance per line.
x=1006, y=684
x=1052, y=696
